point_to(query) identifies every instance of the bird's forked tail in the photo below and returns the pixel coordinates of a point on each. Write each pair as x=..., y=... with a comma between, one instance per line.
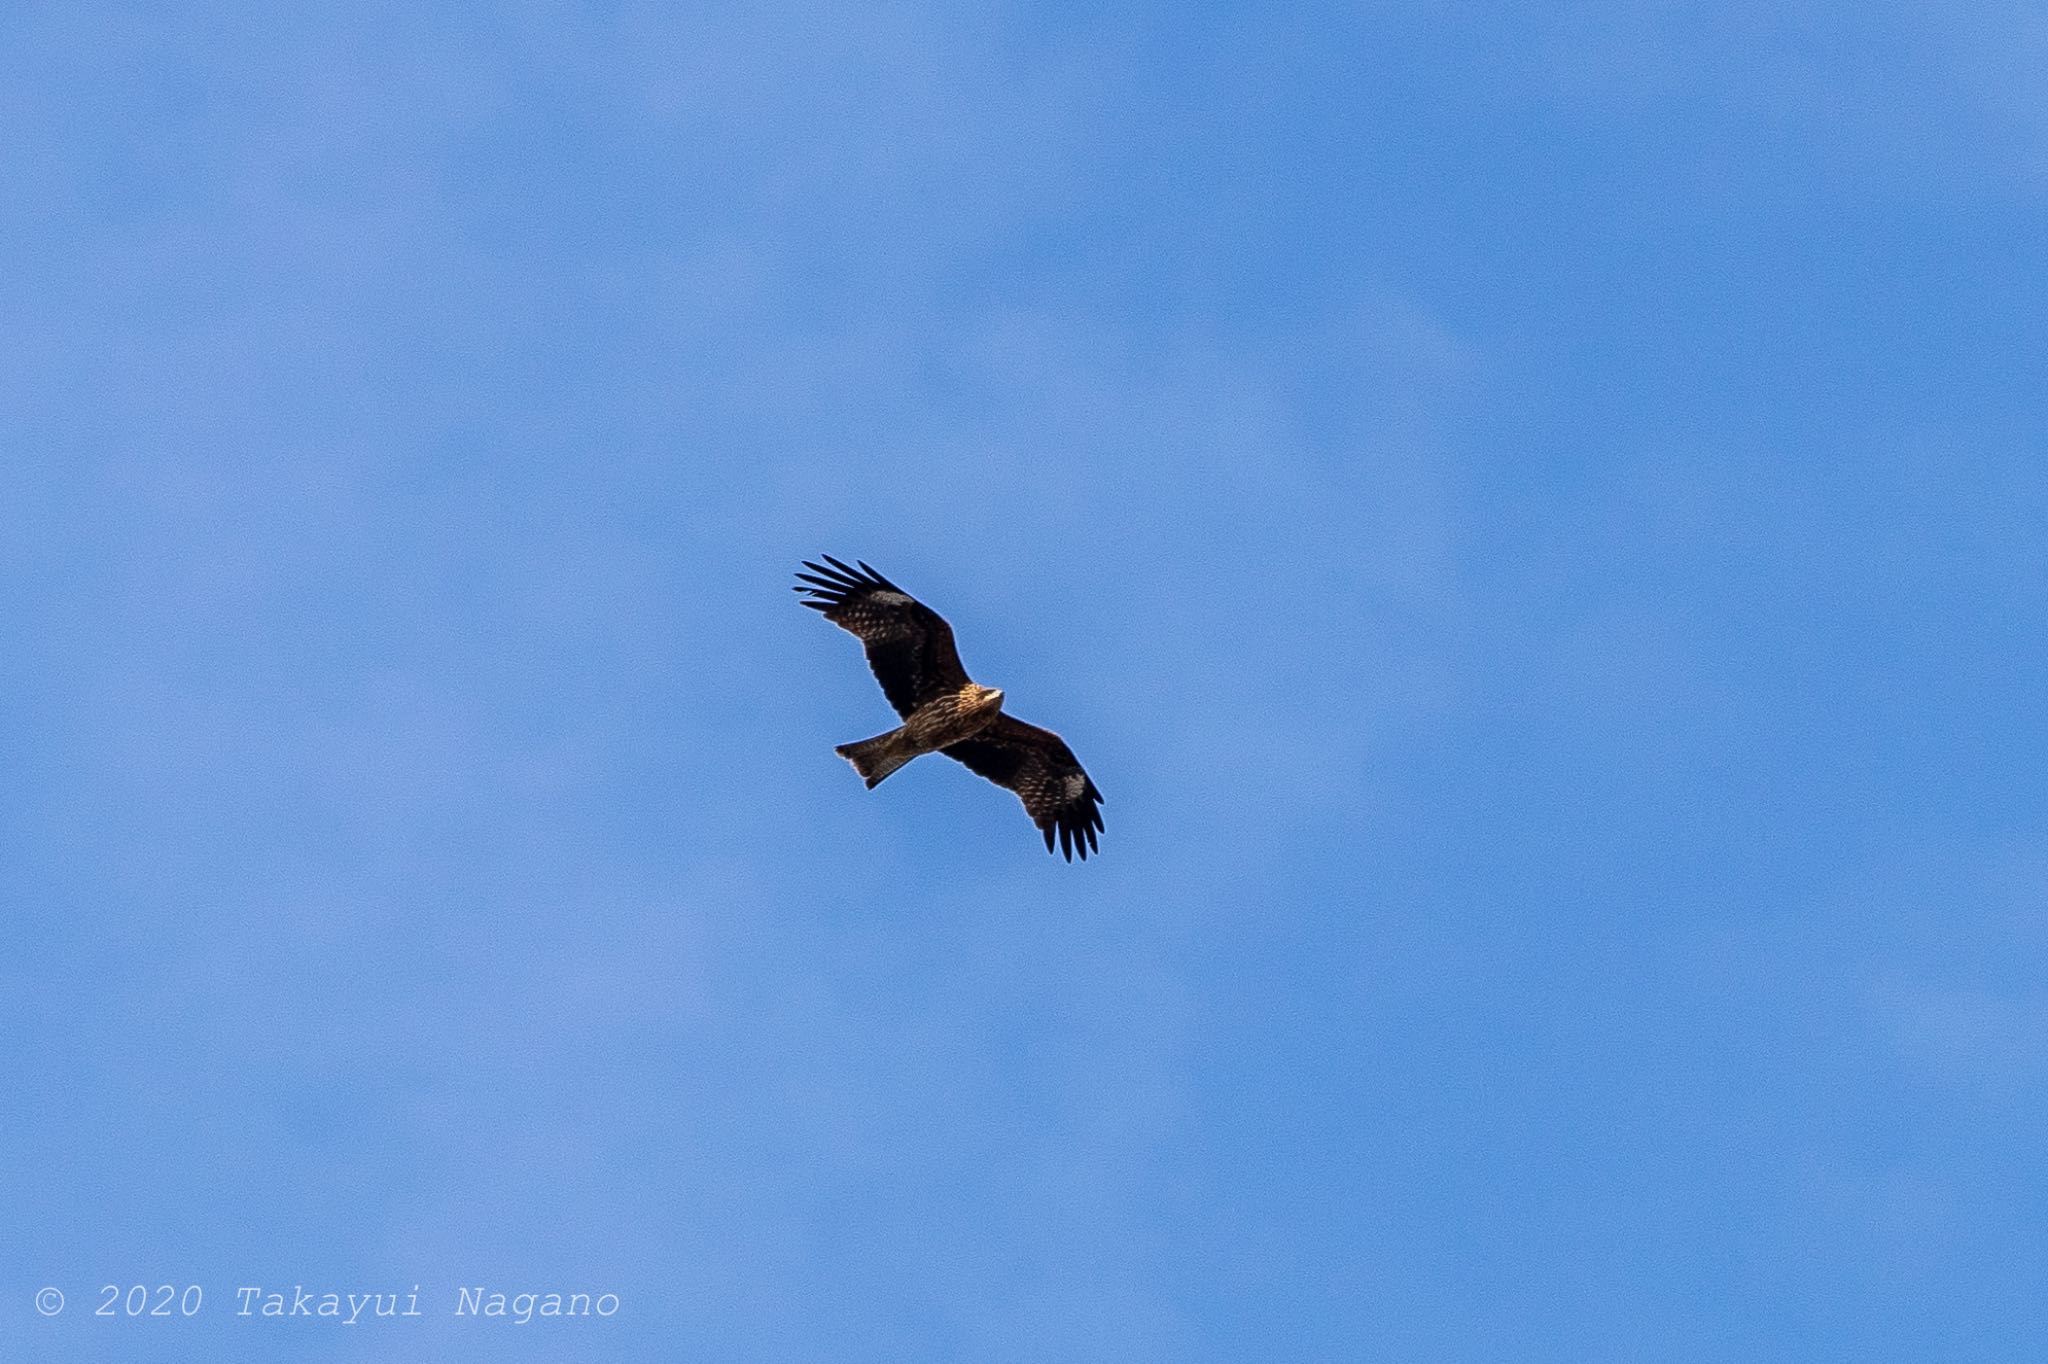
x=876, y=758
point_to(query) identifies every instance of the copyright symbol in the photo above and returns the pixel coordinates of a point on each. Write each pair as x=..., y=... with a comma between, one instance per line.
x=49, y=1301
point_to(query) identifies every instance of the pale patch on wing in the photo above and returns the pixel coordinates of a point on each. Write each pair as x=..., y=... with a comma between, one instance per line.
x=1076, y=783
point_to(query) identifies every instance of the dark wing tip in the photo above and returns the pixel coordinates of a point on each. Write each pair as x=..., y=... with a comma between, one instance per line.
x=852, y=575
x=835, y=575
x=830, y=584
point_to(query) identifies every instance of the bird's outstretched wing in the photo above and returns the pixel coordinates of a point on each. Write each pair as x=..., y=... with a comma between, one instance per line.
x=909, y=645
x=1037, y=764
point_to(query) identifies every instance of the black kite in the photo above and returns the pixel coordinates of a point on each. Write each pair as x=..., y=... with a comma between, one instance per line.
x=910, y=648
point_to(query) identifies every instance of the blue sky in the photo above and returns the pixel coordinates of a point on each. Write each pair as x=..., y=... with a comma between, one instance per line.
x=1532, y=514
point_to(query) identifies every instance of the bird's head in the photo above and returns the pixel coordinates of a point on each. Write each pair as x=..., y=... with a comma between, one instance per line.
x=991, y=699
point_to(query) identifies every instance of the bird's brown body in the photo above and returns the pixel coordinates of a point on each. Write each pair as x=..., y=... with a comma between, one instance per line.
x=939, y=723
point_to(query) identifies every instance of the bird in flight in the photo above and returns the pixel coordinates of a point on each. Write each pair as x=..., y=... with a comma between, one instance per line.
x=910, y=648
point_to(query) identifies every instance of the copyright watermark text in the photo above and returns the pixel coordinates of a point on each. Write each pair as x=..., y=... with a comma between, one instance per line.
x=519, y=1307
